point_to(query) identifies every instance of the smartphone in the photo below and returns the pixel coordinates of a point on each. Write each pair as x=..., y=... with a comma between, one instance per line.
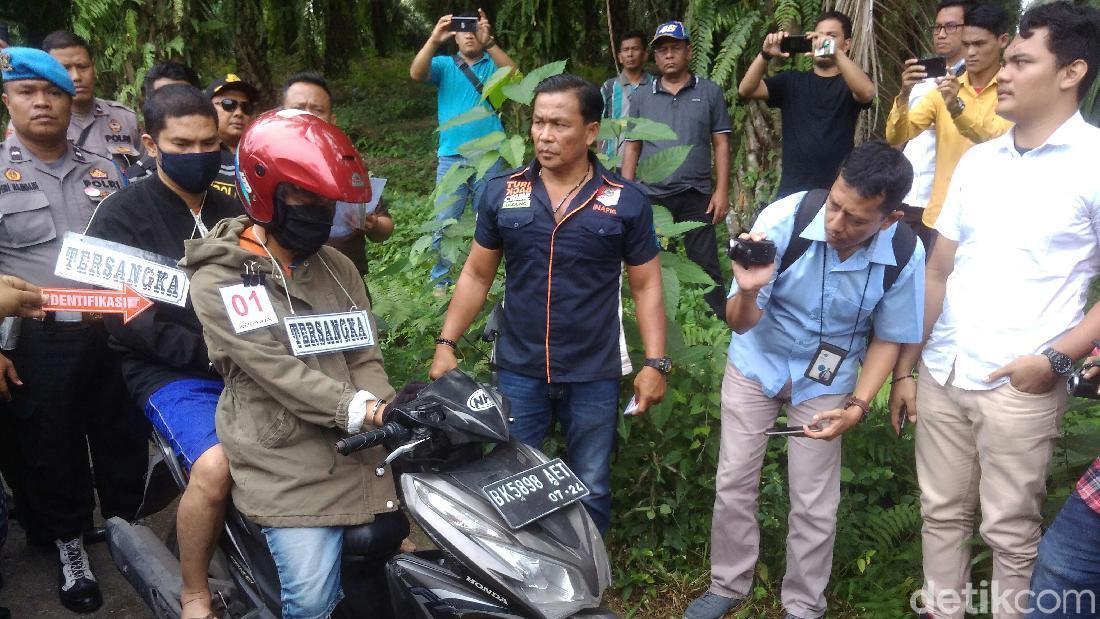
x=796, y=44
x=790, y=430
x=463, y=24
x=934, y=66
x=903, y=419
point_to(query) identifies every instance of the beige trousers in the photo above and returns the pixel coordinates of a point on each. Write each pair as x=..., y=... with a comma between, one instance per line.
x=814, y=476
x=989, y=448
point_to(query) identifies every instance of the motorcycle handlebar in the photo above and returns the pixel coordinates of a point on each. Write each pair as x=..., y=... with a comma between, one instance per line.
x=366, y=440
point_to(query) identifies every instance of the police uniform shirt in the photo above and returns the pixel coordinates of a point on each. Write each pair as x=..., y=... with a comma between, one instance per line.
x=561, y=319
x=226, y=182
x=110, y=130
x=40, y=202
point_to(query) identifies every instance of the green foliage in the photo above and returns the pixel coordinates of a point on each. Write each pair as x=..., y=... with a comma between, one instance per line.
x=662, y=164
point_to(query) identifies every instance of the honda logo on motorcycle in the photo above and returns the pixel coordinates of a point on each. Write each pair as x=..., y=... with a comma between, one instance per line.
x=480, y=401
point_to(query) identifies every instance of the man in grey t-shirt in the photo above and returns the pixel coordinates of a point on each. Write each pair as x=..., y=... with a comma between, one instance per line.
x=696, y=109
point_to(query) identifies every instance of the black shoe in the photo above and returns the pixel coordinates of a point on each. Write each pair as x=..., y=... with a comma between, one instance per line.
x=76, y=585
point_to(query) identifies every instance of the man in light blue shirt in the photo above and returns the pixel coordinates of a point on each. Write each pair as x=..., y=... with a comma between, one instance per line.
x=802, y=331
x=459, y=78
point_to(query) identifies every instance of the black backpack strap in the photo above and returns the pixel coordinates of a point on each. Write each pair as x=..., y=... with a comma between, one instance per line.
x=474, y=80
x=807, y=209
x=905, y=243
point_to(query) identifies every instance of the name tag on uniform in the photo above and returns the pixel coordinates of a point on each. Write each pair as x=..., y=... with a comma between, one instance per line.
x=114, y=265
x=324, y=333
x=249, y=308
x=517, y=194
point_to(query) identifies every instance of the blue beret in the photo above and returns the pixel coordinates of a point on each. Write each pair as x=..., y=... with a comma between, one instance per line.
x=28, y=63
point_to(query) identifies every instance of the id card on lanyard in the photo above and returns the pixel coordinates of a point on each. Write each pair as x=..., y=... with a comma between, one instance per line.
x=825, y=364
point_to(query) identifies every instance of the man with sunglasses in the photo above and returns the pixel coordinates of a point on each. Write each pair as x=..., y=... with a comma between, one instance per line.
x=235, y=101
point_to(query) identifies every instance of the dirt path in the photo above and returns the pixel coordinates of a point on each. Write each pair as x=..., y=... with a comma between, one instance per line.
x=30, y=578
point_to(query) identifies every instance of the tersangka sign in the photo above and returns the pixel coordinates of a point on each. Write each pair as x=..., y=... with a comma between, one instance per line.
x=114, y=265
x=321, y=333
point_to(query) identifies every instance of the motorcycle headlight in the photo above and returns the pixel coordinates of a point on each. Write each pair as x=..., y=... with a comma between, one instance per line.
x=554, y=588
x=455, y=514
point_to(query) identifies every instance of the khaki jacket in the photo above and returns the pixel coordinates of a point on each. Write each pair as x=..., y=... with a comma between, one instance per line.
x=279, y=416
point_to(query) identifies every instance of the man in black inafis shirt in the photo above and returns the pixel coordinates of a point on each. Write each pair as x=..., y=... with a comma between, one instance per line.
x=819, y=108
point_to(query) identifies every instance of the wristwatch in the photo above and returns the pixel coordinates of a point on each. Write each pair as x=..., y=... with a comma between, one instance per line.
x=956, y=107
x=1060, y=363
x=490, y=44
x=662, y=364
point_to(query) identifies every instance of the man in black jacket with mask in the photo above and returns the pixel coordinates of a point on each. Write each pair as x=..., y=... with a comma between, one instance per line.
x=165, y=360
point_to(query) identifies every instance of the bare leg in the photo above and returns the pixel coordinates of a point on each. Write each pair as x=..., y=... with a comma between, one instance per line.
x=199, y=522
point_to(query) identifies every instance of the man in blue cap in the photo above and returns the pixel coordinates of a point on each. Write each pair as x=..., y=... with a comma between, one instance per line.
x=68, y=398
x=696, y=110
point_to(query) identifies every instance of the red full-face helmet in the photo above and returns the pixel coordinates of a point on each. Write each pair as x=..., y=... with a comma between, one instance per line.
x=296, y=147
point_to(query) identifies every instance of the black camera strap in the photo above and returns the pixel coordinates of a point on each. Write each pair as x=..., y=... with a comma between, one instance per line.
x=463, y=66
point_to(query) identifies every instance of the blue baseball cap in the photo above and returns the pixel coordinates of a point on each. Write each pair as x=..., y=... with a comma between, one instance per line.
x=670, y=30
x=28, y=63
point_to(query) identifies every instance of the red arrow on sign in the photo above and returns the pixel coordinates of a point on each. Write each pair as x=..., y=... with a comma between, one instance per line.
x=129, y=302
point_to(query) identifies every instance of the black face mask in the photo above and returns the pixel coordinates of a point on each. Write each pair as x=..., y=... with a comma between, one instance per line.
x=193, y=172
x=304, y=229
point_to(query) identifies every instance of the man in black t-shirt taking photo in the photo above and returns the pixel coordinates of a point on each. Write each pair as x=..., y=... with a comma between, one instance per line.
x=819, y=108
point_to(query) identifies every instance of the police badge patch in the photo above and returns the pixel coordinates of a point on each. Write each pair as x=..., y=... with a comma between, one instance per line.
x=114, y=126
x=97, y=173
x=13, y=175
x=5, y=62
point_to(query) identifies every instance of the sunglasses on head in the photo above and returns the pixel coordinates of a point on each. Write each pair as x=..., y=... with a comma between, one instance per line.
x=230, y=105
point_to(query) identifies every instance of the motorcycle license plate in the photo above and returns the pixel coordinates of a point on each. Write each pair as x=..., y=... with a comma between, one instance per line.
x=525, y=497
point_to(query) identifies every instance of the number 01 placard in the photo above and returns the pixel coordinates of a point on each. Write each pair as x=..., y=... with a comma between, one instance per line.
x=249, y=308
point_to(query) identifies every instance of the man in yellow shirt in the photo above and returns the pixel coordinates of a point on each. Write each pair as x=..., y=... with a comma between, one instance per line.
x=963, y=109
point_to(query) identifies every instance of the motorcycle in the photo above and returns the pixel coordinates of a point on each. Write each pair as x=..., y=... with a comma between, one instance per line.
x=512, y=539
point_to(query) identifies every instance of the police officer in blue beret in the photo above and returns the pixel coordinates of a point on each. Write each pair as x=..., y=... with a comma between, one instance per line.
x=63, y=386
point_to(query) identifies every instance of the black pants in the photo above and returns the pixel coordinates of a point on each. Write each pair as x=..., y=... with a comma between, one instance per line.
x=914, y=216
x=700, y=243
x=73, y=401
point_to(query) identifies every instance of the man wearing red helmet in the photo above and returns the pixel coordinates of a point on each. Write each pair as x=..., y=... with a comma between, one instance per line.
x=288, y=324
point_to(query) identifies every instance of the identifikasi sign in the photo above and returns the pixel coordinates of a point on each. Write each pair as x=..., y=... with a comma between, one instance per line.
x=113, y=265
x=129, y=302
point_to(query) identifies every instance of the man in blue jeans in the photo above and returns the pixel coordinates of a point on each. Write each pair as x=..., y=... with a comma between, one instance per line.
x=564, y=225
x=459, y=79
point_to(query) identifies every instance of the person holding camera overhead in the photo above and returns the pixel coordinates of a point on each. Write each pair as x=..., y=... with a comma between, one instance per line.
x=460, y=79
x=820, y=107
x=817, y=270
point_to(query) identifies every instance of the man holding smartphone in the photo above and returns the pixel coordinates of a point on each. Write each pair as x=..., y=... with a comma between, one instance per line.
x=921, y=150
x=962, y=109
x=459, y=78
x=819, y=108
x=800, y=342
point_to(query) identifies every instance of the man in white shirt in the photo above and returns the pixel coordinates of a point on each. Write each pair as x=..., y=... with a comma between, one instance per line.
x=1004, y=299
x=921, y=150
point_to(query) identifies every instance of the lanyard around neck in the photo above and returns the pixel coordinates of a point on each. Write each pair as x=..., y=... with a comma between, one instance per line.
x=821, y=312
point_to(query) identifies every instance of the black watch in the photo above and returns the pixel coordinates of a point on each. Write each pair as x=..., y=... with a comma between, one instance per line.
x=1060, y=363
x=662, y=365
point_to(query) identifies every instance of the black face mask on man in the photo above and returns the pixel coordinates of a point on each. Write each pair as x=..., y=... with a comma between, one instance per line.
x=193, y=172
x=304, y=228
